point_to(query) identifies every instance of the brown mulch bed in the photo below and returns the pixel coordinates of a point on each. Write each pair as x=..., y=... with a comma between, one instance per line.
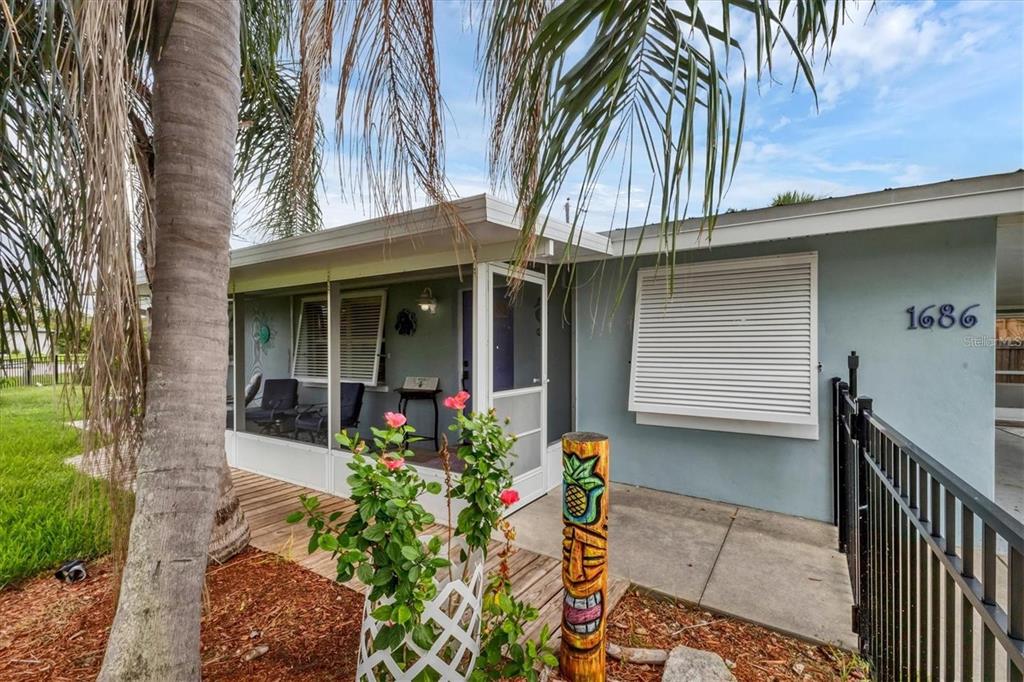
x=753, y=652
x=310, y=626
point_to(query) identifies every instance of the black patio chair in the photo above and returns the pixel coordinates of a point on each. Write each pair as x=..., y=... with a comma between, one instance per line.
x=251, y=389
x=277, y=406
x=314, y=420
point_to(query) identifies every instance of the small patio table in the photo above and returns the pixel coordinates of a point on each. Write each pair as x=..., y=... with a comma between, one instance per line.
x=407, y=394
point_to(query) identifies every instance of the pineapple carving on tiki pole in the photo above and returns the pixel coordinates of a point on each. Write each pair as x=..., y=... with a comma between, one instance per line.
x=584, y=554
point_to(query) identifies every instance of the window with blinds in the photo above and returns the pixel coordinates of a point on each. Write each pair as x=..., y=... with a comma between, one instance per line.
x=362, y=328
x=728, y=345
x=310, y=361
x=360, y=334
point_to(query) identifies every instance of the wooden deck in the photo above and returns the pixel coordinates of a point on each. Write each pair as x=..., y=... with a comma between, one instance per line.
x=536, y=578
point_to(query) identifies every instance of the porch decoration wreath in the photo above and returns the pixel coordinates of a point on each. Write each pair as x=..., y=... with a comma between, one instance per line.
x=429, y=613
x=406, y=324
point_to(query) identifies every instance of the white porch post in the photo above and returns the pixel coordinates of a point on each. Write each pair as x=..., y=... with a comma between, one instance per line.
x=238, y=377
x=482, y=324
x=333, y=363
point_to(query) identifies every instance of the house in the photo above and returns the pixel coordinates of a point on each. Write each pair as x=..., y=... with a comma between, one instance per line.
x=711, y=375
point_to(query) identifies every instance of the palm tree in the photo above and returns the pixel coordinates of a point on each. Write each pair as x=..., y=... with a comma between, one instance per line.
x=793, y=196
x=120, y=139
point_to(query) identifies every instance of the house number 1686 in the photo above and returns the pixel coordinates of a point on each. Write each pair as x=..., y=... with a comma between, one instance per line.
x=945, y=316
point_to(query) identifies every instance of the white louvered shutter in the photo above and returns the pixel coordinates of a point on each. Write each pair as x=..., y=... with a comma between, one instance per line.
x=362, y=328
x=310, y=362
x=732, y=339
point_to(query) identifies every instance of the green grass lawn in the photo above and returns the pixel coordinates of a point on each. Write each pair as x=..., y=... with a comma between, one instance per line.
x=49, y=513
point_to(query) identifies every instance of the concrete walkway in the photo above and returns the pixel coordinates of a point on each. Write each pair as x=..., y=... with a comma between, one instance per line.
x=773, y=569
x=1010, y=470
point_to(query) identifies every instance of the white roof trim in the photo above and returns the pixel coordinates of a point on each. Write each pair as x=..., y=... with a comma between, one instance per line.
x=848, y=214
x=485, y=216
x=473, y=210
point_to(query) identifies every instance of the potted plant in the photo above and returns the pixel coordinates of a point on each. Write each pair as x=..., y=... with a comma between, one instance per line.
x=428, y=602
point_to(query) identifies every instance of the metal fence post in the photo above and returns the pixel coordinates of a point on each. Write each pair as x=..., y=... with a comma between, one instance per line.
x=842, y=463
x=865, y=543
x=853, y=363
x=837, y=479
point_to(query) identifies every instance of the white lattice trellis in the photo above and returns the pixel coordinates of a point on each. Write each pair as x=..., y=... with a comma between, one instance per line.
x=455, y=611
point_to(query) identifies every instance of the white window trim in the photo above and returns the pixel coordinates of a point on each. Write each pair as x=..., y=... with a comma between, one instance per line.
x=736, y=421
x=322, y=381
x=297, y=335
x=362, y=293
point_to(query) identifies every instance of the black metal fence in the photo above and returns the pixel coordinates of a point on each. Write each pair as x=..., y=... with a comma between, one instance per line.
x=29, y=370
x=937, y=568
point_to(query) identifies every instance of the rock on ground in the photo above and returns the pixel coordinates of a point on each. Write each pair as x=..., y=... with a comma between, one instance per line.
x=693, y=665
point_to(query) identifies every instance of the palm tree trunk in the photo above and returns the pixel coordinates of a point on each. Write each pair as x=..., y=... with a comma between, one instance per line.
x=230, y=529
x=155, y=635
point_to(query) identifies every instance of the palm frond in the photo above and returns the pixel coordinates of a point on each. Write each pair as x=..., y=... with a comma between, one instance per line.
x=278, y=164
x=40, y=167
x=110, y=66
x=388, y=87
x=502, y=58
x=648, y=90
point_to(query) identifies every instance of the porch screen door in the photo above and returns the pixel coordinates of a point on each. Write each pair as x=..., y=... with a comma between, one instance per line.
x=511, y=375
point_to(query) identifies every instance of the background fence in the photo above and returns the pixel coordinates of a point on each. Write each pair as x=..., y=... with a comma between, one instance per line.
x=30, y=371
x=937, y=568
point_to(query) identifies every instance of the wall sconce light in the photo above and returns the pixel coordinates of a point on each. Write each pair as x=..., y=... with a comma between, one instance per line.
x=427, y=302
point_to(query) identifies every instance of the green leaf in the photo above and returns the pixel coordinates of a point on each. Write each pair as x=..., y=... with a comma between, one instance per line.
x=434, y=488
x=403, y=614
x=374, y=533
x=382, y=613
x=365, y=573
x=389, y=637
x=423, y=636
x=328, y=542
x=295, y=517
x=411, y=553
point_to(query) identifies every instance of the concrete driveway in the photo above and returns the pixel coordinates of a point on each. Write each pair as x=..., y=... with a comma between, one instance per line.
x=777, y=570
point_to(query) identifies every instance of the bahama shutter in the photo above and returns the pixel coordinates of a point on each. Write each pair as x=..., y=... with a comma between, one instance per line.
x=727, y=340
x=361, y=320
x=310, y=362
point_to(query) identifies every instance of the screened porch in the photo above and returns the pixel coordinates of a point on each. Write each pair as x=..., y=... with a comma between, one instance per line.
x=308, y=361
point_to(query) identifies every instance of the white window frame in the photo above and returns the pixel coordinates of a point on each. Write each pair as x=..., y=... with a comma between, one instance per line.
x=363, y=293
x=319, y=298
x=733, y=420
x=317, y=380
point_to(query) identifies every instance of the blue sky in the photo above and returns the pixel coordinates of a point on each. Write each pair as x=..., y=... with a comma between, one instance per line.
x=916, y=92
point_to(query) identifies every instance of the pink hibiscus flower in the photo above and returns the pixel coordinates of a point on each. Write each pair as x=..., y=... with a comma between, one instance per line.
x=457, y=401
x=393, y=463
x=394, y=419
x=509, y=497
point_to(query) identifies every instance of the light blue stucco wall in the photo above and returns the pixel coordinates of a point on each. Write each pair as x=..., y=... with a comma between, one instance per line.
x=930, y=384
x=432, y=351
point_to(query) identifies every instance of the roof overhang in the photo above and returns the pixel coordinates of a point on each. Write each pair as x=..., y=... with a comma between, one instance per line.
x=986, y=196
x=421, y=239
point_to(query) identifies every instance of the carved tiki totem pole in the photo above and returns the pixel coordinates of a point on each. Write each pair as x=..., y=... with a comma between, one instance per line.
x=585, y=491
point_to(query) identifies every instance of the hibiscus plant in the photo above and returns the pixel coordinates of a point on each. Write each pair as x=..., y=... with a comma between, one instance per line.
x=383, y=543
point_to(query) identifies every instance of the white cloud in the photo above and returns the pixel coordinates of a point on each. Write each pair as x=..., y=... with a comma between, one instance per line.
x=889, y=71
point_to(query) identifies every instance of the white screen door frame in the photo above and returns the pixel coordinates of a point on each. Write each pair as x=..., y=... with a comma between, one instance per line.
x=531, y=484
